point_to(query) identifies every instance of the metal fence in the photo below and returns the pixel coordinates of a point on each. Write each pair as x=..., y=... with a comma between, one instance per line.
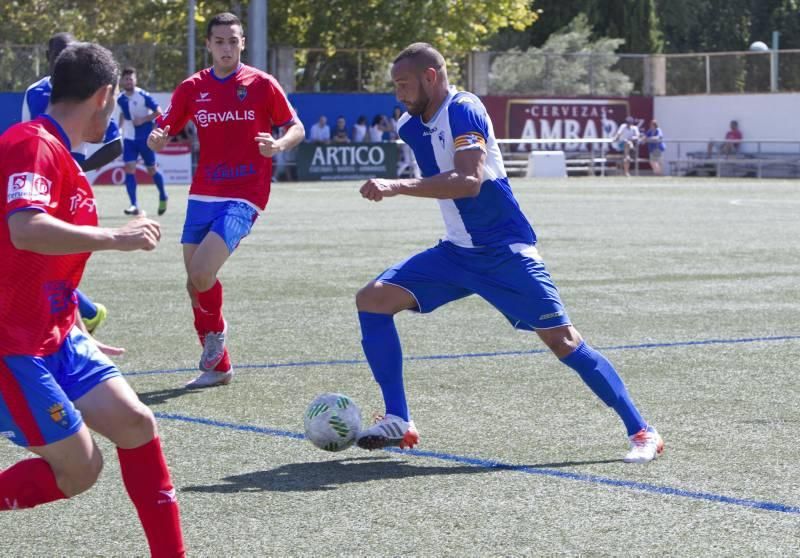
x=590, y=73
x=161, y=67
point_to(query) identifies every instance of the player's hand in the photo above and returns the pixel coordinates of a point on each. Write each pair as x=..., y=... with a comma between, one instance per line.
x=108, y=349
x=375, y=189
x=140, y=234
x=158, y=138
x=267, y=145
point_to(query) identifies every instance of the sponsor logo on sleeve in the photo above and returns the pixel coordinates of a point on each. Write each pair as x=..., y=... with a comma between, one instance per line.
x=29, y=186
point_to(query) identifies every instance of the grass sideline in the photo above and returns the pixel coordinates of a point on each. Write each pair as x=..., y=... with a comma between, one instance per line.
x=691, y=284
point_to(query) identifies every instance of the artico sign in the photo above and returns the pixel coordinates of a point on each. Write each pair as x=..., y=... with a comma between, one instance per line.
x=347, y=161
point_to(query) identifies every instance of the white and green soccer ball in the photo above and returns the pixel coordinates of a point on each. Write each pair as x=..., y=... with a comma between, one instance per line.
x=332, y=422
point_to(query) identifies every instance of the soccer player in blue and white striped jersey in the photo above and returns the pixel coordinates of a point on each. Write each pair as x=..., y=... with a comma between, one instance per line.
x=489, y=249
x=138, y=112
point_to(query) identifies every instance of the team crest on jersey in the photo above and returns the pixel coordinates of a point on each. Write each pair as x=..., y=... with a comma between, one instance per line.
x=28, y=186
x=241, y=92
x=57, y=412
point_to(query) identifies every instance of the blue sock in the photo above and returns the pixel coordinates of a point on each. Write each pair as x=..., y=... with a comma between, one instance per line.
x=85, y=305
x=158, y=178
x=601, y=377
x=130, y=185
x=385, y=357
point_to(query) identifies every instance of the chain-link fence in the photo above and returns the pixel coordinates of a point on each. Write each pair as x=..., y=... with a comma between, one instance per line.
x=158, y=67
x=161, y=67
x=588, y=73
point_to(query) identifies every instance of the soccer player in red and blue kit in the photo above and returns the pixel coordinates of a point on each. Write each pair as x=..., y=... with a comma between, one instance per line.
x=55, y=384
x=235, y=107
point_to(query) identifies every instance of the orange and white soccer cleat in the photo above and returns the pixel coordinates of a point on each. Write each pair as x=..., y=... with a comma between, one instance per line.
x=390, y=430
x=646, y=445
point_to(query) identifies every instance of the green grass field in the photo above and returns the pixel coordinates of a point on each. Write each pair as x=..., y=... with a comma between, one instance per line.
x=692, y=286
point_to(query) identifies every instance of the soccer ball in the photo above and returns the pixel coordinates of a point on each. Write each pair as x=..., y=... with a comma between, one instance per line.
x=332, y=422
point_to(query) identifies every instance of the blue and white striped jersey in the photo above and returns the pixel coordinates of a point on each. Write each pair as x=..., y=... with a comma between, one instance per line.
x=137, y=105
x=493, y=218
x=36, y=99
x=35, y=102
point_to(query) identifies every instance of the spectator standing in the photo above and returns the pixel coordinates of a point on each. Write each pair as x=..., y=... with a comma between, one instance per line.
x=654, y=138
x=320, y=132
x=624, y=140
x=393, y=123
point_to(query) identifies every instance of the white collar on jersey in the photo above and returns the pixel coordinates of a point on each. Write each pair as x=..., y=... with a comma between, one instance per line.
x=451, y=91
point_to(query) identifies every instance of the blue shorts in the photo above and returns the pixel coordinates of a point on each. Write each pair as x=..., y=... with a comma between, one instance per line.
x=230, y=219
x=517, y=284
x=36, y=393
x=132, y=148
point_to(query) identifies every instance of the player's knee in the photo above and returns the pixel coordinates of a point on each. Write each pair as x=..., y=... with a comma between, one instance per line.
x=562, y=341
x=81, y=475
x=138, y=423
x=130, y=168
x=152, y=171
x=202, y=280
x=370, y=299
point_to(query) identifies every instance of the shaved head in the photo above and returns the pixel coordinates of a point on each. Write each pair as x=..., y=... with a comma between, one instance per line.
x=422, y=56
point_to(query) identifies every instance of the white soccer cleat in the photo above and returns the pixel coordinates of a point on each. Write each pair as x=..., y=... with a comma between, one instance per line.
x=646, y=445
x=211, y=378
x=390, y=430
x=213, y=349
x=132, y=210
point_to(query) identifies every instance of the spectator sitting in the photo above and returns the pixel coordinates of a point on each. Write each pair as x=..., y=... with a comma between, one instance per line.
x=360, y=129
x=624, y=140
x=733, y=140
x=340, y=131
x=655, y=147
x=320, y=132
x=379, y=126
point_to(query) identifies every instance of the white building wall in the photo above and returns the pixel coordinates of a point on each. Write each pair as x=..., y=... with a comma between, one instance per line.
x=703, y=118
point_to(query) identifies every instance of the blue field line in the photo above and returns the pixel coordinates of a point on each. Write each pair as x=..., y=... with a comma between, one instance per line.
x=485, y=355
x=490, y=464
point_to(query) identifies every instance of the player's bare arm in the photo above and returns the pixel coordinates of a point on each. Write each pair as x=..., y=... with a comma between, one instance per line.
x=158, y=138
x=462, y=182
x=39, y=232
x=268, y=145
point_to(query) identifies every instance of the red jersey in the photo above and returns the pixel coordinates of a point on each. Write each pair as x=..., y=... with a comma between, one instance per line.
x=38, y=173
x=228, y=114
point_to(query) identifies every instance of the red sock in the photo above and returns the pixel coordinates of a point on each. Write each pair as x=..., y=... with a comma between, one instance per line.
x=27, y=484
x=146, y=477
x=198, y=321
x=211, y=305
x=224, y=364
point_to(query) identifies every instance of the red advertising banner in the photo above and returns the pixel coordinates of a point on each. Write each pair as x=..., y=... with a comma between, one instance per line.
x=564, y=118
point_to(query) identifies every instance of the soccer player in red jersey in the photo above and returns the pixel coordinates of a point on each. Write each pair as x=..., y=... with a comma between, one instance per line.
x=54, y=382
x=235, y=107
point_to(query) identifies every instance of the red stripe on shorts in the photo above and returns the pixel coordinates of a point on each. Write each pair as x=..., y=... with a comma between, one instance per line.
x=21, y=414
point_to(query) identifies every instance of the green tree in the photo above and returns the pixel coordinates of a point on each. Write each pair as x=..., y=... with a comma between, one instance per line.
x=569, y=63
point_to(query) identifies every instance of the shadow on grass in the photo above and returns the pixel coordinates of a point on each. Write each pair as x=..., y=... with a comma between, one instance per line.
x=327, y=475
x=159, y=396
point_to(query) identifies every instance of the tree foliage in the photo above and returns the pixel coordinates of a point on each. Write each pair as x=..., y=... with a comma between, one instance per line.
x=569, y=63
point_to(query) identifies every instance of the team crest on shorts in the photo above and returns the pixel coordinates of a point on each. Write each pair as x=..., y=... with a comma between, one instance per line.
x=57, y=412
x=241, y=92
